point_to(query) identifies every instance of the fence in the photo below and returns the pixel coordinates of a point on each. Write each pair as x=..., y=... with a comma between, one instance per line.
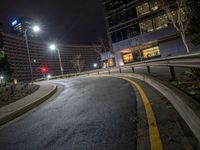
x=191, y=61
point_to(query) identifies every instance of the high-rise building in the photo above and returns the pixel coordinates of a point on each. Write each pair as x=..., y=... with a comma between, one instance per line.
x=19, y=25
x=41, y=56
x=139, y=30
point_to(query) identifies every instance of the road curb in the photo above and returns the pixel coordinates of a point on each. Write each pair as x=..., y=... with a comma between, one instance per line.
x=187, y=108
x=27, y=107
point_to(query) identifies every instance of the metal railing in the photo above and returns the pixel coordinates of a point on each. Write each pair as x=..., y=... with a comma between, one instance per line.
x=184, y=61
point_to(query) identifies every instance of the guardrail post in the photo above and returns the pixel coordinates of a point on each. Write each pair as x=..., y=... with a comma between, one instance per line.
x=120, y=70
x=172, y=72
x=133, y=69
x=108, y=71
x=148, y=69
x=98, y=72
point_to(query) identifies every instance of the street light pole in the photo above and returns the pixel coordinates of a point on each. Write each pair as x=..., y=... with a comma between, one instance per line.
x=28, y=52
x=35, y=28
x=53, y=47
x=61, y=67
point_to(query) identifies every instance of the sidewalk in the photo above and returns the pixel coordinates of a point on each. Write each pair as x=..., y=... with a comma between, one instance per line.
x=13, y=110
x=12, y=93
x=187, y=108
x=174, y=132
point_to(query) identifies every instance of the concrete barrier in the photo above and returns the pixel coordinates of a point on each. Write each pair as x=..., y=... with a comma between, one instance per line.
x=187, y=107
x=14, y=110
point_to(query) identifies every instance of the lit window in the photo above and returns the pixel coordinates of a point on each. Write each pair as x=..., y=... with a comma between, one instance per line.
x=153, y=5
x=174, y=15
x=160, y=22
x=108, y=63
x=127, y=57
x=146, y=26
x=151, y=52
x=142, y=9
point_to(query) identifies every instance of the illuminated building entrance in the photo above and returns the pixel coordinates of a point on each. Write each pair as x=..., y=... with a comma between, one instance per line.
x=138, y=55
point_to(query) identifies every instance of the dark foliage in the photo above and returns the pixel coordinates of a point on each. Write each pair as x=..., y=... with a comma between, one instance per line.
x=5, y=68
x=195, y=22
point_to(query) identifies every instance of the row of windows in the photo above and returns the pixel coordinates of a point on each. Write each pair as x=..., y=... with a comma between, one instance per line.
x=113, y=4
x=147, y=7
x=149, y=25
x=122, y=17
x=17, y=55
x=132, y=12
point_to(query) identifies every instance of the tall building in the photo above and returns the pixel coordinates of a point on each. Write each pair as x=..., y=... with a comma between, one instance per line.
x=139, y=30
x=41, y=56
x=19, y=25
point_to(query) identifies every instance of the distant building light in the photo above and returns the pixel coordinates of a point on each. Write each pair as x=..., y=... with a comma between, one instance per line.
x=49, y=76
x=15, y=81
x=14, y=23
x=121, y=63
x=95, y=65
x=1, y=77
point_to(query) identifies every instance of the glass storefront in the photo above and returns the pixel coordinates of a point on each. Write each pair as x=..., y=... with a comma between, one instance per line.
x=139, y=55
x=108, y=63
x=127, y=58
x=151, y=52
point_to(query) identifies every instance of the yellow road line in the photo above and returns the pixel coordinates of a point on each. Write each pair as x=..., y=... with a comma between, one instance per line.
x=156, y=143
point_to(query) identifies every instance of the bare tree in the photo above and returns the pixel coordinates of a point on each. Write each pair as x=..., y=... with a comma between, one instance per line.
x=180, y=18
x=78, y=63
x=102, y=47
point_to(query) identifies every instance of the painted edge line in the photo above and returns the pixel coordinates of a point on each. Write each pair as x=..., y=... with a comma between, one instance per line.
x=154, y=135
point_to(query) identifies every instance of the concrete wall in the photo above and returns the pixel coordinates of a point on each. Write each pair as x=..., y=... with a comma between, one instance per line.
x=172, y=47
x=145, y=38
x=175, y=47
x=169, y=43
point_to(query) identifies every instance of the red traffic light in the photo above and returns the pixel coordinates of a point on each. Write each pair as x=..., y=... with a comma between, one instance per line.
x=43, y=69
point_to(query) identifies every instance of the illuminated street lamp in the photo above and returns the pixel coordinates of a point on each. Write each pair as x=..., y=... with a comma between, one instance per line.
x=1, y=78
x=53, y=47
x=95, y=65
x=35, y=29
x=49, y=76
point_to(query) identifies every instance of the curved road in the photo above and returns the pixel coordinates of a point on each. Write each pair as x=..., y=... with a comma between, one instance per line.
x=97, y=113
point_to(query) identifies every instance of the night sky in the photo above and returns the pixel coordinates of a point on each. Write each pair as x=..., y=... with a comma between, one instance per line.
x=63, y=21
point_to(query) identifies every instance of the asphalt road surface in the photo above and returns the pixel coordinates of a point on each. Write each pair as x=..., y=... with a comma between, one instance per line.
x=97, y=113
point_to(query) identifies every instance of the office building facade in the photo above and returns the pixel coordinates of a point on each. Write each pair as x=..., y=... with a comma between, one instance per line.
x=139, y=30
x=15, y=48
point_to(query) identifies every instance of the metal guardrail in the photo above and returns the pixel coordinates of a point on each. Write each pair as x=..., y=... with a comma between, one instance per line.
x=185, y=61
